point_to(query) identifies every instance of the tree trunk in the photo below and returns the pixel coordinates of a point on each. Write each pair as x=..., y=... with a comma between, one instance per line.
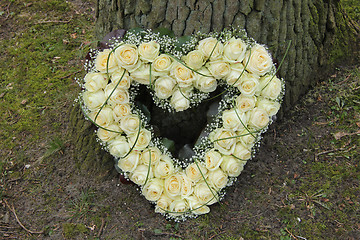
x=320, y=33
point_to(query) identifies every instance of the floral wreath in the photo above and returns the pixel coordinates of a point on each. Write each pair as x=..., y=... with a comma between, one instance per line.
x=181, y=73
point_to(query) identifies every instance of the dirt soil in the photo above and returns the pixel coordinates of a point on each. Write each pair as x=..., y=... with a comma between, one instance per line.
x=304, y=182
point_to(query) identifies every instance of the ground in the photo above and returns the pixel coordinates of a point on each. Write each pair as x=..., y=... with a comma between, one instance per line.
x=302, y=184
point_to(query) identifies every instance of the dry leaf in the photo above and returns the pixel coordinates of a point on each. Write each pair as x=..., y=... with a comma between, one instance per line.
x=339, y=135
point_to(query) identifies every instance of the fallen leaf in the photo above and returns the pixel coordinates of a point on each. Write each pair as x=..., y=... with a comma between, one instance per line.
x=358, y=124
x=73, y=35
x=23, y=101
x=339, y=135
x=2, y=94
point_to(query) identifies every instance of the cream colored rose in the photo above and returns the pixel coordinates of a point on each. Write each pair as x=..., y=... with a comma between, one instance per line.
x=232, y=166
x=152, y=154
x=234, y=50
x=249, y=84
x=271, y=107
x=224, y=140
x=164, y=87
x=127, y=56
x=104, y=118
x=242, y=152
x=164, y=167
x=273, y=88
x=153, y=189
x=142, y=74
x=105, y=64
x=117, y=96
x=211, y=48
x=234, y=120
x=124, y=78
x=149, y=51
x=121, y=110
x=194, y=59
x=246, y=138
x=238, y=66
x=213, y=159
x=234, y=77
x=106, y=135
x=260, y=61
x=205, y=194
x=179, y=101
x=172, y=185
x=204, y=83
x=245, y=103
x=183, y=75
x=197, y=207
x=196, y=171
x=130, y=124
x=94, y=100
x=163, y=203
x=130, y=162
x=119, y=147
x=95, y=81
x=162, y=63
x=258, y=118
x=217, y=179
x=186, y=186
x=219, y=69
x=140, y=174
x=140, y=140
x=178, y=206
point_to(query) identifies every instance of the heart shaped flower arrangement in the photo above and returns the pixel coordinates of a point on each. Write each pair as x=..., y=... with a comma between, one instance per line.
x=181, y=73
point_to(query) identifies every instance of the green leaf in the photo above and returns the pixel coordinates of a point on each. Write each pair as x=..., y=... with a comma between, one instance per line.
x=169, y=144
x=164, y=32
x=181, y=41
x=157, y=231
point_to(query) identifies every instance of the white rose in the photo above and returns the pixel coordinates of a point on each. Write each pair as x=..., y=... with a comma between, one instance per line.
x=149, y=51
x=219, y=69
x=238, y=66
x=232, y=166
x=163, y=203
x=245, y=103
x=153, y=189
x=241, y=152
x=249, y=84
x=94, y=100
x=104, y=118
x=260, y=61
x=258, y=118
x=172, y=185
x=164, y=167
x=186, y=186
x=141, y=139
x=142, y=74
x=233, y=78
x=203, y=83
x=127, y=56
x=164, y=87
x=180, y=102
x=130, y=124
x=196, y=171
x=234, y=120
x=130, y=162
x=95, y=81
x=247, y=139
x=234, y=50
x=271, y=107
x=217, y=179
x=152, y=154
x=162, y=63
x=119, y=147
x=197, y=207
x=117, y=96
x=106, y=135
x=205, y=194
x=140, y=174
x=194, y=59
x=183, y=75
x=121, y=110
x=105, y=64
x=178, y=206
x=124, y=78
x=226, y=144
x=272, y=89
x=213, y=159
x=211, y=48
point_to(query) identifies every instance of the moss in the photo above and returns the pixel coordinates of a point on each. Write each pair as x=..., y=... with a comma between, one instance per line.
x=72, y=230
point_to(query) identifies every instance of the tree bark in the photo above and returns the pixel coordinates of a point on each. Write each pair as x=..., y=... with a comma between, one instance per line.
x=320, y=33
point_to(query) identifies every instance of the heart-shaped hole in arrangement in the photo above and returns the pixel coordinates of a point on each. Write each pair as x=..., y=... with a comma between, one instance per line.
x=144, y=79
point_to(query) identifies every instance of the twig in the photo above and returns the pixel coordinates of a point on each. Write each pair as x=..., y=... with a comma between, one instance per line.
x=70, y=74
x=215, y=235
x=290, y=233
x=101, y=228
x=55, y=21
x=12, y=209
x=8, y=11
x=344, y=80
